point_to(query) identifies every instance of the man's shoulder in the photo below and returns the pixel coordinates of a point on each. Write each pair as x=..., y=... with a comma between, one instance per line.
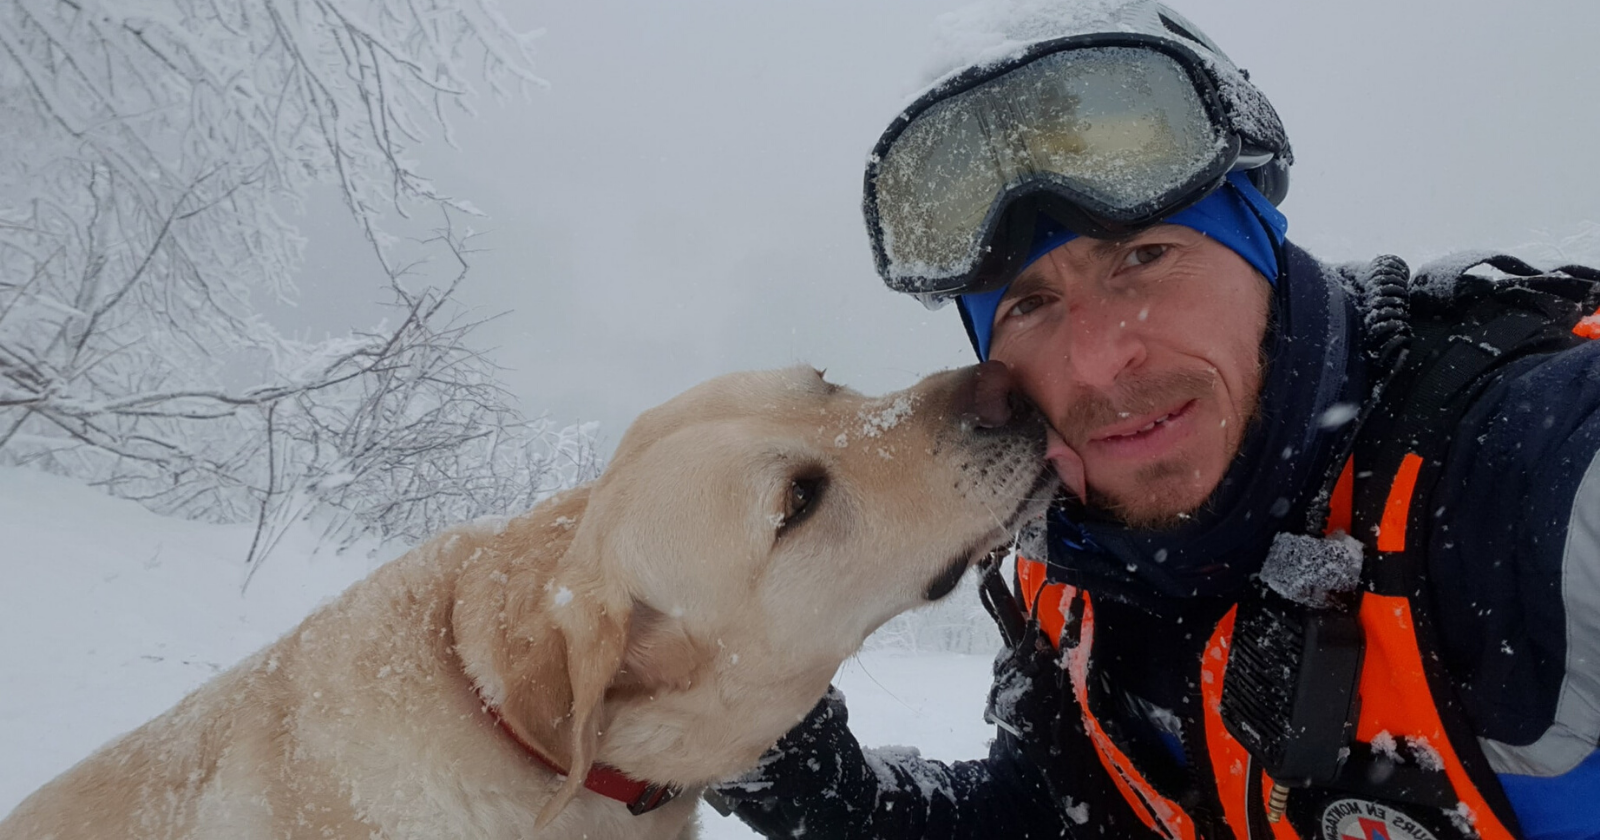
x=1539, y=415
x=1508, y=541
x=1523, y=447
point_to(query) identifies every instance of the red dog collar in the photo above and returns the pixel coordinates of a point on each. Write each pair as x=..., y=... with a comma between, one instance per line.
x=608, y=781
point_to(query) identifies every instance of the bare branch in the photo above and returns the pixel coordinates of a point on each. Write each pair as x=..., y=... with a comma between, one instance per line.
x=148, y=151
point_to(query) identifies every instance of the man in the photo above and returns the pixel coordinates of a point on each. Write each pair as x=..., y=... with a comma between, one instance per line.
x=1328, y=561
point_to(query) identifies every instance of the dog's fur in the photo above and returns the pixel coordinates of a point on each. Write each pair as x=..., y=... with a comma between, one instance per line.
x=671, y=619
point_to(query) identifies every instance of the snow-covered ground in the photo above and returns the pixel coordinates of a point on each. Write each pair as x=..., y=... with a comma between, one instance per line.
x=109, y=614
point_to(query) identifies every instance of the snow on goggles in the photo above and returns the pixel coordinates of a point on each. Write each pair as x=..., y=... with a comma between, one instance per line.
x=1107, y=133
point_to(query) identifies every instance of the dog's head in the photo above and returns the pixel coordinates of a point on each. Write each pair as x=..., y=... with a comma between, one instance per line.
x=749, y=534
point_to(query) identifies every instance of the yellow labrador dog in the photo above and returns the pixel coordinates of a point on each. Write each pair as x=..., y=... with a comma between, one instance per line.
x=651, y=632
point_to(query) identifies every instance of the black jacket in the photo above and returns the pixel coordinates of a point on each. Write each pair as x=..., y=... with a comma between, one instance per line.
x=1514, y=569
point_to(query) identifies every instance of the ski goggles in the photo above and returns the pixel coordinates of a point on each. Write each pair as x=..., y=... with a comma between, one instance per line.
x=1106, y=133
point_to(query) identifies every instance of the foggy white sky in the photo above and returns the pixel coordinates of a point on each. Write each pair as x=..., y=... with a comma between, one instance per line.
x=684, y=199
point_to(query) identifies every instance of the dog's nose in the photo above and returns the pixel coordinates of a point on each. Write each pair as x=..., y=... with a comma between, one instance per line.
x=990, y=395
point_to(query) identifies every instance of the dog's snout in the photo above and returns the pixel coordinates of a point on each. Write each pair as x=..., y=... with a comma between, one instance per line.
x=986, y=396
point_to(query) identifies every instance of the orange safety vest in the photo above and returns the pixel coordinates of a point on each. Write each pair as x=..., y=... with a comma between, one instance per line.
x=1397, y=706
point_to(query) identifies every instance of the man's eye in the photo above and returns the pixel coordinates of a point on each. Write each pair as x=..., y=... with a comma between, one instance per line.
x=1143, y=255
x=1025, y=305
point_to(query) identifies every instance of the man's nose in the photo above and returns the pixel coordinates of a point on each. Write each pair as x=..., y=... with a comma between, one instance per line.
x=1102, y=345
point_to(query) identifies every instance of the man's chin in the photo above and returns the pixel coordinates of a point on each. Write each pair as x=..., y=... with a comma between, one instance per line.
x=1141, y=515
x=1163, y=500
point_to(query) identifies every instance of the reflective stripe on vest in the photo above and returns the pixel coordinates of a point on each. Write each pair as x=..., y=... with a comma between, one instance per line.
x=1396, y=702
x=1230, y=761
x=1050, y=603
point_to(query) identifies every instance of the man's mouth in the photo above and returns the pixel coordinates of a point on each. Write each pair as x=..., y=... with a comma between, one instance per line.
x=1142, y=428
x=1146, y=428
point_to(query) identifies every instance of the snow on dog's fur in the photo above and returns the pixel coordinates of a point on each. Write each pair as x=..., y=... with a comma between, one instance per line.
x=672, y=619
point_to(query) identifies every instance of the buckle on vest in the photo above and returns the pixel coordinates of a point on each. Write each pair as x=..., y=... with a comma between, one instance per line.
x=653, y=797
x=1289, y=694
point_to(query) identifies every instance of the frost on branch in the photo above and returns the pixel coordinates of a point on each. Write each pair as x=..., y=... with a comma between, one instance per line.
x=148, y=149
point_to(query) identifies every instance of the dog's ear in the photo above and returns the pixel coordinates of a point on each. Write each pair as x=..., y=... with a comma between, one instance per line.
x=593, y=631
x=568, y=647
x=555, y=698
x=541, y=631
x=547, y=635
x=609, y=650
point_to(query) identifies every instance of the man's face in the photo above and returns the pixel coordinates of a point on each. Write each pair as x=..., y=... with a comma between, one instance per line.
x=1145, y=354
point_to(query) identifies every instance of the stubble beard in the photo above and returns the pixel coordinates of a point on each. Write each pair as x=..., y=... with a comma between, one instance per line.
x=1163, y=499
x=1161, y=505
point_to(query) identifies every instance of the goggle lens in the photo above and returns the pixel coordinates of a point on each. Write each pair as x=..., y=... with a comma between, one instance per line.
x=1119, y=131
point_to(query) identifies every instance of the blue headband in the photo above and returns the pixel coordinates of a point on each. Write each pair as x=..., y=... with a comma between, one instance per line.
x=1237, y=215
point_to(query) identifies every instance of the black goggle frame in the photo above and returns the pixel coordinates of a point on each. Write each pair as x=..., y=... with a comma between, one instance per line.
x=1007, y=228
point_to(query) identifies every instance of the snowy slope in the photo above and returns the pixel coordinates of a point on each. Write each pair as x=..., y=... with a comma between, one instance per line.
x=110, y=614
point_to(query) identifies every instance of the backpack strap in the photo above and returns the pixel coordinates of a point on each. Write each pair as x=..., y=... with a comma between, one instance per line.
x=1464, y=334
x=1381, y=293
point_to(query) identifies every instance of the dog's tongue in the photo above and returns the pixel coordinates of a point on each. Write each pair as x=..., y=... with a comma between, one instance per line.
x=1069, y=467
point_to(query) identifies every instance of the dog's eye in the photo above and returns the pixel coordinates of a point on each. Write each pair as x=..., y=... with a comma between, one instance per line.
x=802, y=499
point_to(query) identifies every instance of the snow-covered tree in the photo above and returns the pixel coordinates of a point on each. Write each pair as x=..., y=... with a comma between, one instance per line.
x=149, y=151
